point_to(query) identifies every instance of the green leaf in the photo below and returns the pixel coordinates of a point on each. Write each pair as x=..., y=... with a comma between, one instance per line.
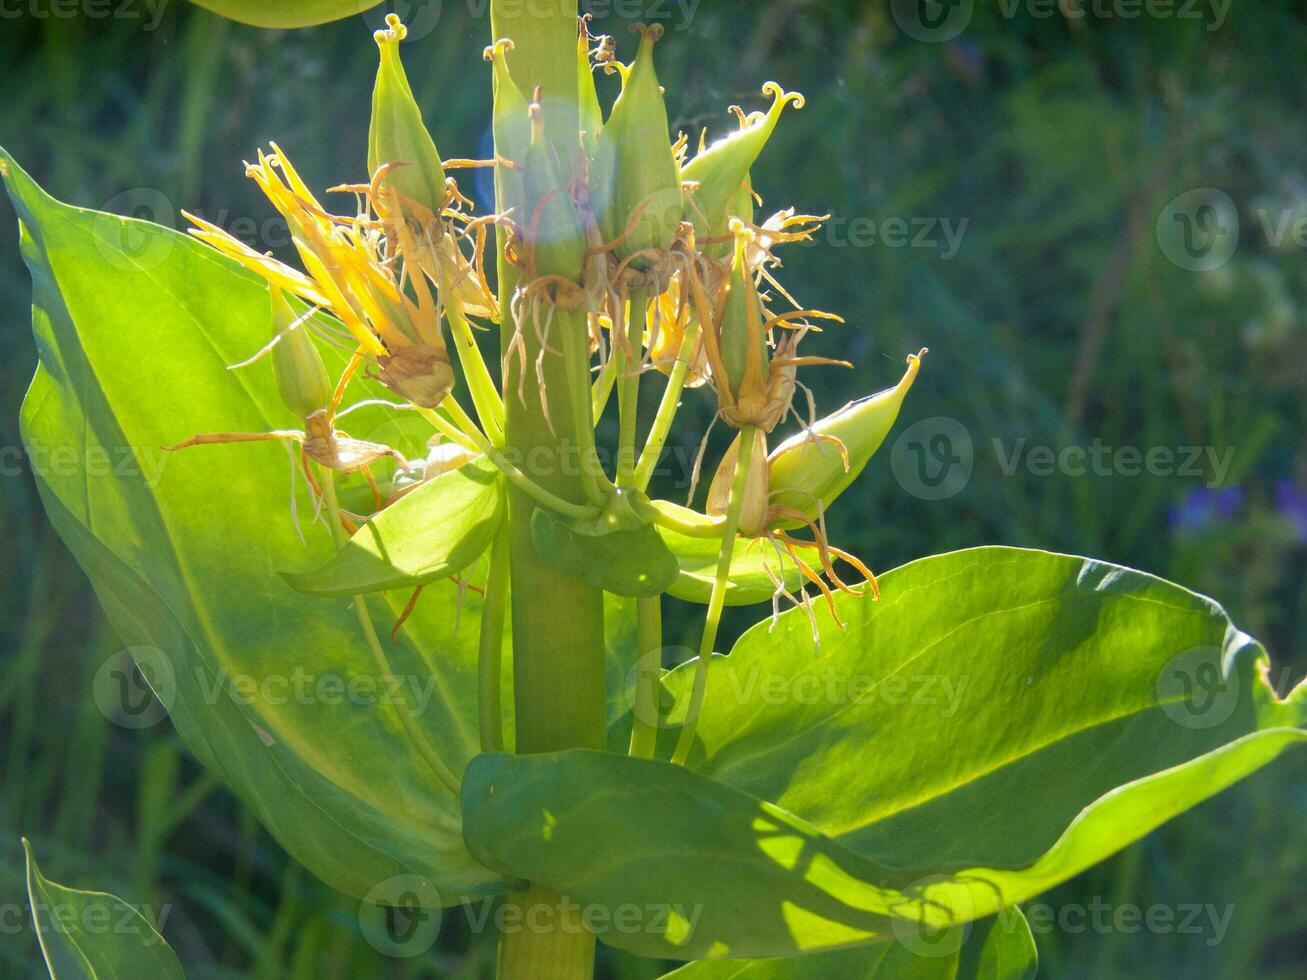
x=286, y=13
x=94, y=935
x=612, y=831
x=273, y=690
x=998, y=948
x=432, y=532
x=985, y=680
x=998, y=722
x=629, y=561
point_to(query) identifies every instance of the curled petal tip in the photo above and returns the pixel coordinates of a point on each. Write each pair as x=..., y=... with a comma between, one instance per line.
x=394, y=32
x=782, y=97
x=648, y=32
x=498, y=49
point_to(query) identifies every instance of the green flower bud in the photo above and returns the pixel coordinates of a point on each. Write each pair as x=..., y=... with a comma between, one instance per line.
x=635, y=181
x=397, y=135
x=511, y=124
x=750, y=390
x=719, y=171
x=302, y=379
x=809, y=470
x=592, y=116
x=555, y=241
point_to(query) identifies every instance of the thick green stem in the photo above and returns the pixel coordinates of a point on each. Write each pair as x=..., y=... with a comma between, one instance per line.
x=379, y=659
x=558, y=620
x=490, y=653
x=718, y=597
x=648, y=673
x=662, y=424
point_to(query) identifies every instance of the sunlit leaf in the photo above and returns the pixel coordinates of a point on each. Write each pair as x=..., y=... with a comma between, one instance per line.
x=93, y=935
x=431, y=533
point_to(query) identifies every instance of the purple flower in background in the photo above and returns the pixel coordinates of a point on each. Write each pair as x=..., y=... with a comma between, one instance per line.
x=1291, y=502
x=1205, y=506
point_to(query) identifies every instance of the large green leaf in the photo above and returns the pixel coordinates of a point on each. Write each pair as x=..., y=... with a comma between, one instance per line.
x=286, y=13
x=94, y=935
x=1000, y=721
x=273, y=690
x=998, y=948
x=431, y=533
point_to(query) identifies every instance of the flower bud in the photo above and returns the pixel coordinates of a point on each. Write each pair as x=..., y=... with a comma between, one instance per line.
x=750, y=390
x=552, y=229
x=397, y=135
x=592, y=116
x=511, y=125
x=719, y=171
x=302, y=379
x=635, y=180
x=753, y=508
x=810, y=469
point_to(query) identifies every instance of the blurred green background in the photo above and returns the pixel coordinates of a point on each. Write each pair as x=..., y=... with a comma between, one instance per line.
x=1004, y=189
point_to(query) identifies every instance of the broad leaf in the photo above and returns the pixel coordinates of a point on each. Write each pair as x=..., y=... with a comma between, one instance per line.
x=286, y=13
x=93, y=935
x=273, y=690
x=431, y=533
x=998, y=948
x=631, y=562
x=1000, y=721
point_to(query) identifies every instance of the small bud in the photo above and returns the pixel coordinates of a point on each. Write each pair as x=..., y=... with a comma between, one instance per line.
x=302, y=379
x=554, y=238
x=511, y=125
x=750, y=390
x=810, y=469
x=420, y=373
x=397, y=135
x=635, y=180
x=719, y=171
x=592, y=116
x=753, y=508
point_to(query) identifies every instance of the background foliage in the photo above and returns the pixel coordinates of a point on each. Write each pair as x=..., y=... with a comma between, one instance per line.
x=1058, y=320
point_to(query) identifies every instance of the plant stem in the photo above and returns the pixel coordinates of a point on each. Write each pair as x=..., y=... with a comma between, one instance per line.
x=520, y=480
x=602, y=389
x=662, y=424
x=718, y=597
x=576, y=359
x=558, y=620
x=490, y=652
x=648, y=674
x=628, y=385
x=379, y=659
x=485, y=397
